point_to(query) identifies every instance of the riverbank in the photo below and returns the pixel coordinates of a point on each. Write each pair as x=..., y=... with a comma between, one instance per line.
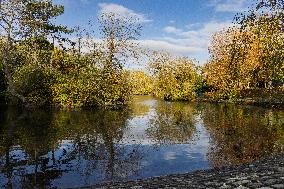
x=266, y=98
x=265, y=174
x=264, y=103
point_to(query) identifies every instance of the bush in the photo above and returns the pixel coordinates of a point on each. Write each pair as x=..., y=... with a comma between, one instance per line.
x=141, y=83
x=176, y=79
x=112, y=88
x=34, y=83
x=90, y=87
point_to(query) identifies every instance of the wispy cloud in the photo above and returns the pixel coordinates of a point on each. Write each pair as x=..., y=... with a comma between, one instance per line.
x=192, y=41
x=230, y=5
x=203, y=32
x=121, y=10
x=163, y=45
x=172, y=29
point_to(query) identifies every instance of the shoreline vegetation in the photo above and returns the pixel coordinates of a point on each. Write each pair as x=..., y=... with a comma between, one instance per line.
x=264, y=103
x=43, y=64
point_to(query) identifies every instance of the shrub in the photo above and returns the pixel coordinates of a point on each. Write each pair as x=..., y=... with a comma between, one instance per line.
x=175, y=79
x=34, y=83
x=141, y=83
x=90, y=87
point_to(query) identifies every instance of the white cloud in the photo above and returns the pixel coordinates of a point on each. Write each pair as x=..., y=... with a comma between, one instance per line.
x=230, y=5
x=202, y=33
x=212, y=27
x=194, y=25
x=191, y=42
x=171, y=29
x=123, y=11
x=163, y=45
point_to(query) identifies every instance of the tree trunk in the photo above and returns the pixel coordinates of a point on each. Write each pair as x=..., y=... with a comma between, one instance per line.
x=7, y=61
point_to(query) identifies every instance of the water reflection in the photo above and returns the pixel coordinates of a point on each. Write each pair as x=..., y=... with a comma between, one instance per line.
x=172, y=122
x=242, y=134
x=46, y=149
x=38, y=146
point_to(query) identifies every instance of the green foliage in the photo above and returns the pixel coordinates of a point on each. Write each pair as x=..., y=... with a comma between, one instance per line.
x=200, y=85
x=97, y=78
x=176, y=79
x=71, y=80
x=37, y=17
x=40, y=73
x=89, y=88
x=113, y=88
x=25, y=27
x=34, y=83
x=69, y=91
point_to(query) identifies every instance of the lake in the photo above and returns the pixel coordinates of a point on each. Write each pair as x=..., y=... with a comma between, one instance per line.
x=52, y=148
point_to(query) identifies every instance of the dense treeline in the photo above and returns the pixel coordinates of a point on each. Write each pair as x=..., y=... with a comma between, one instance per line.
x=246, y=60
x=41, y=67
x=249, y=56
x=40, y=72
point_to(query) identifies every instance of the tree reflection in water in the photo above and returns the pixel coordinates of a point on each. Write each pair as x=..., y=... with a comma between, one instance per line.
x=173, y=122
x=242, y=134
x=34, y=152
x=48, y=148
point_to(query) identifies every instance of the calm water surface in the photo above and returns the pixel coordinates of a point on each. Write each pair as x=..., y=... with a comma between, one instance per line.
x=50, y=149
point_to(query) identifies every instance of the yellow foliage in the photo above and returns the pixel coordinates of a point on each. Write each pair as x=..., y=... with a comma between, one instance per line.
x=141, y=83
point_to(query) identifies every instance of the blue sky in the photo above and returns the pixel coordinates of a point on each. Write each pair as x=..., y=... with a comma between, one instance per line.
x=181, y=27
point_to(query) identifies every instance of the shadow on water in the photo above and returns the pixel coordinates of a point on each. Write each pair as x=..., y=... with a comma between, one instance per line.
x=48, y=148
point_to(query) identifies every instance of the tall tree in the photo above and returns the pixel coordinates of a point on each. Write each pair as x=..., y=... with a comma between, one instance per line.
x=119, y=35
x=249, y=56
x=20, y=20
x=117, y=46
x=266, y=21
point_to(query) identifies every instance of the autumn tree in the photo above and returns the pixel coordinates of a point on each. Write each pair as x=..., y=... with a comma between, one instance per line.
x=266, y=21
x=117, y=46
x=230, y=62
x=249, y=55
x=141, y=83
x=119, y=39
x=174, y=78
